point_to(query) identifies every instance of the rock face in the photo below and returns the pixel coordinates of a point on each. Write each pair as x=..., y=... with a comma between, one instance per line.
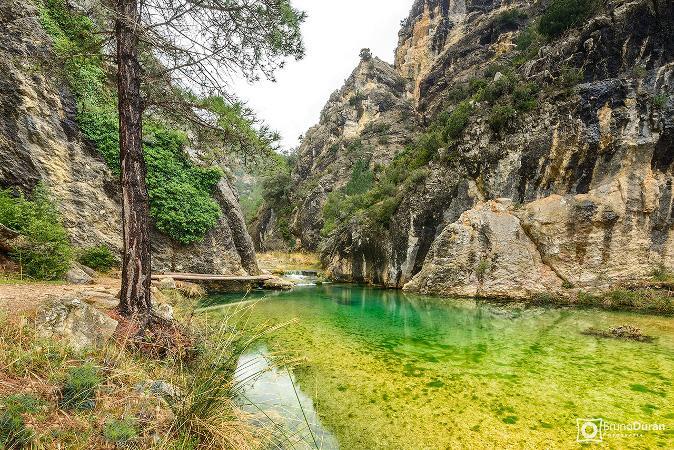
x=74, y=321
x=576, y=191
x=40, y=142
x=369, y=119
x=485, y=253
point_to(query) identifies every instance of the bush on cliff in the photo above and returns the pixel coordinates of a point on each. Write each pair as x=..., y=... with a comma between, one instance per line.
x=180, y=191
x=46, y=253
x=561, y=15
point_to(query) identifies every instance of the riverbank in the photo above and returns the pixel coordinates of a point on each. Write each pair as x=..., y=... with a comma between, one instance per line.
x=112, y=395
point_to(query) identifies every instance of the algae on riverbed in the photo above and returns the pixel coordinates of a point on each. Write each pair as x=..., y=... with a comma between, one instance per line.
x=390, y=370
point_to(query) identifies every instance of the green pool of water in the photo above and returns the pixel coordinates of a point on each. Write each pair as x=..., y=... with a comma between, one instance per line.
x=389, y=370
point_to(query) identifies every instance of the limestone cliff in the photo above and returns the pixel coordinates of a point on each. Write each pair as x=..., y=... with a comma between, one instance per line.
x=573, y=189
x=369, y=119
x=40, y=142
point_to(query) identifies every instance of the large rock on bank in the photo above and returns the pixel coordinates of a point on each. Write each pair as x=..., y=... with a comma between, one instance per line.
x=75, y=322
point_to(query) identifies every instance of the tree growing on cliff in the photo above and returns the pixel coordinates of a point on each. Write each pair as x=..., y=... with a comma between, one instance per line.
x=193, y=45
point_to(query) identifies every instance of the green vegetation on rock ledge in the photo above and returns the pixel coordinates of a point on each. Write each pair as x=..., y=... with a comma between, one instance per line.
x=180, y=191
x=45, y=252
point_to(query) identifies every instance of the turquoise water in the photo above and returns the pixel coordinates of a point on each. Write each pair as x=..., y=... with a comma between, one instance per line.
x=382, y=369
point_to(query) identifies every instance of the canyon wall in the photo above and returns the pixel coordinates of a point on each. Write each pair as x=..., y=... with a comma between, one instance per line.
x=40, y=142
x=573, y=191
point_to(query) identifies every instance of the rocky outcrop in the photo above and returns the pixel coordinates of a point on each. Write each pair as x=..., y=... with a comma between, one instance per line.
x=369, y=119
x=74, y=322
x=486, y=253
x=40, y=143
x=584, y=179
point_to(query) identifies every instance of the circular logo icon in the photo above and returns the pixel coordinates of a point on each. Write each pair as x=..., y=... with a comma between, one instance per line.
x=589, y=430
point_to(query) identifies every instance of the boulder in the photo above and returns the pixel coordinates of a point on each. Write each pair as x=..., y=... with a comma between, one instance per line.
x=99, y=299
x=278, y=284
x=485, y=253
x=163, y=311
x=75, y=322
x=78, y=276
x=167, y=283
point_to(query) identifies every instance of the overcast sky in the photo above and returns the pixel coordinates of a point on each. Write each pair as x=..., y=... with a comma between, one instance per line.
x=334, y=33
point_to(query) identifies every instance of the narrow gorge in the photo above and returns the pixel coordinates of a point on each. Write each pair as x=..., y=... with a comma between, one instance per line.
x=496, y=157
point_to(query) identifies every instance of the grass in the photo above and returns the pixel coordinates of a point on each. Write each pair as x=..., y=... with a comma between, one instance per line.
x=279, y=262
x=641, y=299
x=60, y=398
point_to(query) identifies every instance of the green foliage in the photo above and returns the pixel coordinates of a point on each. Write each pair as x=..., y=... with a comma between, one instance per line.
x=510, y=18
x=561, y=15
x=78, y=391
x=660, y=100
x=663, y=275
x=524, y=96
x=361, y=179
x=46, y=252
x=475, y=85
x=528, y=42
x=99, y=258
x=122, y=433
x=569, y=78
x=357, y=100
x=497, y=89
x=501, y=116
x=13, y=430
x=458, y=93
x=482, y=268
x=180, y=192
x=457, y=121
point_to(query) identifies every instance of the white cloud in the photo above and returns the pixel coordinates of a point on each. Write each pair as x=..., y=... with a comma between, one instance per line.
x=334, y=33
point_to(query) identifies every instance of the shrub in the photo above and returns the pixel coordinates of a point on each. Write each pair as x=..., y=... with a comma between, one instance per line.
x=458, y=93
x=662, y=274
x=361, y=178
x=120, y=432
x=482, y=268
x=496, y=89
x=524, y=96
x=561, y=15
x=78, y=392
x=99, y=258
x=476, y=85
x=510, y=18
x=46, y=253
x=457, y=121
x=500, y=117
x=660, y=100
x=180, y=193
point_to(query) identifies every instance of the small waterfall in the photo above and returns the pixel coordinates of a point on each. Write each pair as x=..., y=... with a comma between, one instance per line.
x=302, y=277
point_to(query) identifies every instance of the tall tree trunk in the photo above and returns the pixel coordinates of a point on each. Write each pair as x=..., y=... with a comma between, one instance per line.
x=136, y=269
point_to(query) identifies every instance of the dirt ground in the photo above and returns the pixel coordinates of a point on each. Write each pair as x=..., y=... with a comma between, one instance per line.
x=23, y=297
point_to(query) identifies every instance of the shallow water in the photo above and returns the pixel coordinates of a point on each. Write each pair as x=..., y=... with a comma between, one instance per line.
x=385, y=369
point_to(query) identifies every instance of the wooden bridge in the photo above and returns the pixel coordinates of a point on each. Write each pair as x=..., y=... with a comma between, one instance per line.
x=218, y=283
